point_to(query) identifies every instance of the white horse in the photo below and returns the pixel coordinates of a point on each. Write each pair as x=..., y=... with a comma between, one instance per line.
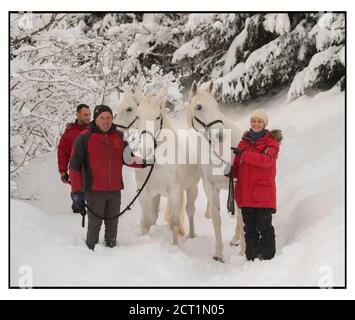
x=168, y=180
x=203, y=114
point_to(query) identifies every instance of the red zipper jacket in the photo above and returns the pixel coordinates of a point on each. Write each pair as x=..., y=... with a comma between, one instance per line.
x=66, y=143
x=97, y=159
x=255, y=171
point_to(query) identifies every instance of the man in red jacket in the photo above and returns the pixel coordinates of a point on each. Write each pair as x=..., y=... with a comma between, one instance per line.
x=83, y=115
x=255, y=169
x=96, y=170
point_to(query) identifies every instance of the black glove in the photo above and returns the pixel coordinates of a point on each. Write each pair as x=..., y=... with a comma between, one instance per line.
x=64, y=176
x=237, y=152
x=78, y=202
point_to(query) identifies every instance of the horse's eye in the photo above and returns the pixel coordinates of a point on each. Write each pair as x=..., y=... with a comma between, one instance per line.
x=129, y=109
x=157, y=118
x=198, y=107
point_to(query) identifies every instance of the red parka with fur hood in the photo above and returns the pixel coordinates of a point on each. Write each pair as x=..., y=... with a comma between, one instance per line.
x=255, y=171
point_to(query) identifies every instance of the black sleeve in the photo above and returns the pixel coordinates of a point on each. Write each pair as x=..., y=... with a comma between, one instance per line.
x=78, y=153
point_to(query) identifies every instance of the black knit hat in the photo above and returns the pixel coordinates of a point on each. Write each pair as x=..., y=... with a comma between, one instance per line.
x=101, y=108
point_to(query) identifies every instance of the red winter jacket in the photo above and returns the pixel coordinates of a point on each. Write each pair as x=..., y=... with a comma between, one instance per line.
x=97, y=159
x=255, y=171
x=66, y=143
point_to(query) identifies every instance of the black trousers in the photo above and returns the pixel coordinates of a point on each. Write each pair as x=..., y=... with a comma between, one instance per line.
x=259, y=233
x=106, y=206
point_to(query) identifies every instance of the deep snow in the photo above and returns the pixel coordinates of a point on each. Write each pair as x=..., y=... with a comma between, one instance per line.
x=310, y=225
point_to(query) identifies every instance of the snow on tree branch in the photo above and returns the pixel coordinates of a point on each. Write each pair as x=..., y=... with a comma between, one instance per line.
x=60, y=60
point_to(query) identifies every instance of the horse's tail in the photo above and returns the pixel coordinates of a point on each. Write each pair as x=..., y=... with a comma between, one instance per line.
x=181, y=213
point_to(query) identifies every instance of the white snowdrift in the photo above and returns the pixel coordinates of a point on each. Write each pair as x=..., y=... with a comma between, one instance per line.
x=309, y=225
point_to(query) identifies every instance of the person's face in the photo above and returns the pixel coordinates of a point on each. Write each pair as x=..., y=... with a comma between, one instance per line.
x=257, y=124
x=104, y=121
x=84, y=116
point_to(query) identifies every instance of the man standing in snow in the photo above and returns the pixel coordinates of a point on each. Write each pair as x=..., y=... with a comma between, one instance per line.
x=83, y=115
x=96, y=169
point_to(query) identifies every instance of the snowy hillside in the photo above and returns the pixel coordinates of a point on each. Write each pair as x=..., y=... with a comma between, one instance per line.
x=310, y=226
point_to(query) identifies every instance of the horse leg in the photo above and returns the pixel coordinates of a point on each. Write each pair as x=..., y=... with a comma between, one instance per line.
x=238, y=238
x=208, y=210
x=191, y=195
x=168, y=215
x=208, y=207
x=155, y=209
x=149, y=214
x=213, y=196
x=237, y=235
x=175, y=198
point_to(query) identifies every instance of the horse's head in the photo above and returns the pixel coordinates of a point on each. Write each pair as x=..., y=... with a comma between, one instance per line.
x=150, y=119
x=126, y=111
x=203, y=113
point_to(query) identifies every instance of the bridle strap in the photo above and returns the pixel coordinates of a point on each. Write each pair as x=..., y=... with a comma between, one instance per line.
x=124, y=127
x=230, y=201
x=206, y=126
x=205, y=134
x=152, y=135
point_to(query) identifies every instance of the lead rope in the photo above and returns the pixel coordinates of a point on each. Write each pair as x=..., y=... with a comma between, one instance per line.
x=126, y=209
x=230, y=201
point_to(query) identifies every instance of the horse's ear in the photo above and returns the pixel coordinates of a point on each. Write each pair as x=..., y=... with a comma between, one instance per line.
x=162, y=103
x=162, y=94
x=193, y=88
x=130, y=96
x=210, y=86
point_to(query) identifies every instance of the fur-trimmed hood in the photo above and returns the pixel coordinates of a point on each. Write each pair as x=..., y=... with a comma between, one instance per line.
x=277, y=135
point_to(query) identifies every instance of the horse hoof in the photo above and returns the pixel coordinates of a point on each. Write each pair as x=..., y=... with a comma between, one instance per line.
x=144, y=232
x=219, y=259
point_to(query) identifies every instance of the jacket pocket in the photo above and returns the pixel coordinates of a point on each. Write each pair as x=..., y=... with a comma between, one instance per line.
x=262, y=191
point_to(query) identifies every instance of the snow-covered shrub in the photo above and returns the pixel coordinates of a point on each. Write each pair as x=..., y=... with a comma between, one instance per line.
x=206, y=38
x=324, y=70
x=277, y=23
x=153, y=80
x=269, y=66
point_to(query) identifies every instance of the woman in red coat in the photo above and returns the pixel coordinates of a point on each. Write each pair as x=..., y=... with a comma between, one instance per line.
x=255, y=169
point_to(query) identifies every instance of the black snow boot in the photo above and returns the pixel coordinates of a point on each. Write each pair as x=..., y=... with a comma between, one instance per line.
x=267, y=235
x=90, y=246
x=110, y=243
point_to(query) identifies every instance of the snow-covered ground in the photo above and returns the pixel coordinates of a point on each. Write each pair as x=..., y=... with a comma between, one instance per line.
x=310, y=223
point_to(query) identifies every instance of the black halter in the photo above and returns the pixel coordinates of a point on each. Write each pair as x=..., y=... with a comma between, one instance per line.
x=124, y=127
x=206, y=126
x=151, y=134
